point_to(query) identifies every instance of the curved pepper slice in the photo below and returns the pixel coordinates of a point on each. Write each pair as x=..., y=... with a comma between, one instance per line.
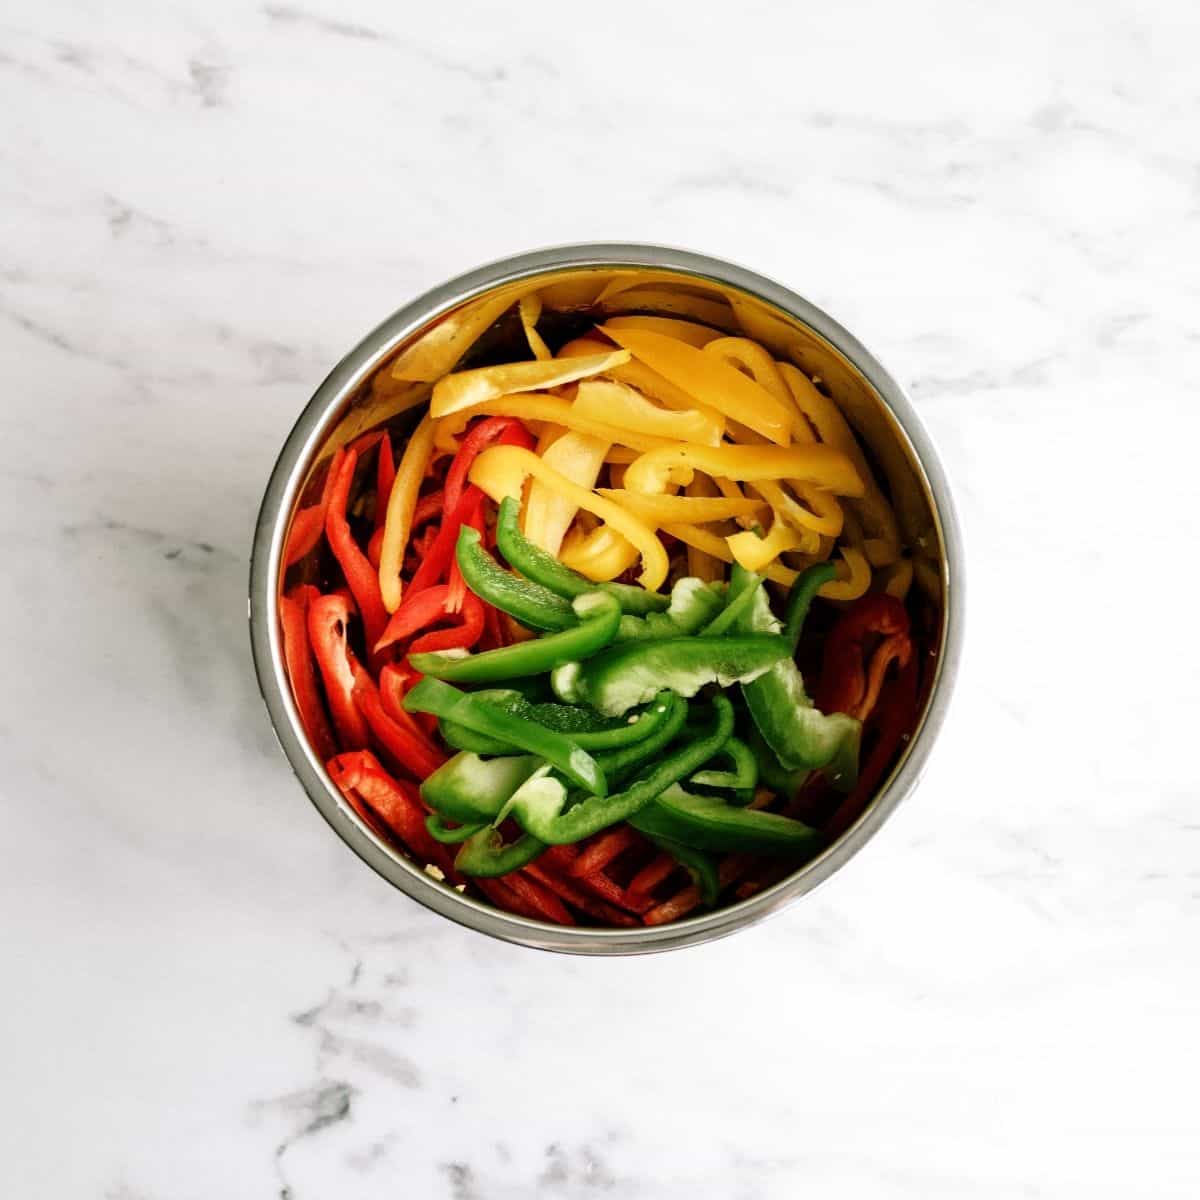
x=472, y=790
x=622, y=405
x=666, y=509
x=709, y=824
x=822, y=465
x=362, y=578
x=709, y=379
x=671, y=712
x=544, y=569
x=328, y=617
x=513, y=459
x=693, y=604
x=601, y=554
x=600, y=617
x=634, y=672
x=401, y=506
x=486, y=855
x=447, y=835
x=800, y=599
x=743, y=777
x=799, y=734
x=700, y=865
x=465, y=389
x=548, y=512
x=537, y=805
x=684, y=331
x=530, y=603
x=565, y=755
x=297, y=654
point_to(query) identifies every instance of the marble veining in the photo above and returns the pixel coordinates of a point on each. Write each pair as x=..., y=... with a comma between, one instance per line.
x=204, y=993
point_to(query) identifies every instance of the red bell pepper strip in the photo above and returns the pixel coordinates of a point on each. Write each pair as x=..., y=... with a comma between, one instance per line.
x=375, y=547
x=409, y=747
x=458, y=588
x=895, y=719
x=495, y=634
x=606, y=889
x=309, y=523
x=577, y=897
x=396, y=680
x=328, y=617
x=437, y=559
x=502, y=896
x=361, y=577
x=431, y=505
x=414, y=614
x=655, y=872
x=458, y=637
x=603, y=849
x=385, y=476
x=545, y=904
x=843, y=683
x=394, y=803
x=479, y=437
x=297, y=655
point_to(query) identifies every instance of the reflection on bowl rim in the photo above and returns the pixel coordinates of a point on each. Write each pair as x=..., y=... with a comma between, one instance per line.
x=320, y=418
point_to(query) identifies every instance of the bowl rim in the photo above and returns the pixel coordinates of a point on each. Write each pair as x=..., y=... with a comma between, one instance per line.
x=318, y=419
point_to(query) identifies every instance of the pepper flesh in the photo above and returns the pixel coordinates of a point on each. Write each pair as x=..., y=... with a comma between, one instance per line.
x=472, y=790
x=362, y=578
x=530, y=603
x=297, y=654
x=402, y=504
x=328, y=618
x=538, y=804
x=600, y=618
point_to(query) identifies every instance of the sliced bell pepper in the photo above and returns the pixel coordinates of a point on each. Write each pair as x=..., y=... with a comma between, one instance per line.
x=402, y=503
x=742, y=353
x=843, y=686
x=693, y=605
x=538, y=804
x=601, y=554
x=542, y=568
x=714, y=546
x=607, y=847
x=744, y=776
x=738, y=599
x=328, y=619
x=618, y=404
x=799, y=734
x=576, y=893
x=530, y=309
x=600, y=617
x=822, y=465
x=361, y=578
x=419, y=610
x=621, y=763
x=410, y=748
x=632, y=673
x=385, y=476
x=395, y=679
x=309, y=523
x=800, y=599
x=709, y=379
x=668, y=509
x=465, y=389
x=530, y=603
x=487, y=854
x=756, y=553
x=709, y=824
x=548, y=511
x=654, y=557
x=473, y=790
x=450, y=835
x=685, y=331
x=697, y=863
x=298, y=657
x=462, y=636
x=508, y=430
x=431, y=695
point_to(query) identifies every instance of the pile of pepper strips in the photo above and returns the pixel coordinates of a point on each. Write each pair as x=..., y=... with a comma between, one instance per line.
x=556, y=786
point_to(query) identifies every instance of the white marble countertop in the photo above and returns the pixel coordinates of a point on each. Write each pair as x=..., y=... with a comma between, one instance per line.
x=205, y=994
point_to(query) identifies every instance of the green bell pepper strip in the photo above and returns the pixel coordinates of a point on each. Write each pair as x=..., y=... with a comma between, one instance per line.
x=800, y=598
x=693, y=604
x=441, y=832
x=701, y=866
x=600, y=616
x=799, y=734
x=543, y=568
x=529, y=603
x=737, y=601
x=709, y=824
x=538, y=804
x=487, y=854
x=743, y=777
x=588, y=730
x=772, y=772
x=635, y=672
x=481, y=716
x=668, y=711
x=469, y=790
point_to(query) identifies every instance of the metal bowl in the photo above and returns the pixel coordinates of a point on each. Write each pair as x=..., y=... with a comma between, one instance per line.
x=427, y=337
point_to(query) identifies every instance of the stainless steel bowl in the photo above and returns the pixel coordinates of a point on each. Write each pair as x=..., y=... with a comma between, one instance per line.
x=428, y=336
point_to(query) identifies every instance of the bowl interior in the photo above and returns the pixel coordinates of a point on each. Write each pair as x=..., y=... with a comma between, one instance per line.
x=387, y=381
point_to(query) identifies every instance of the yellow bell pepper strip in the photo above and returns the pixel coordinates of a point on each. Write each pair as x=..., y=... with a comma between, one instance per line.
x=821, y=465
x=664, y=300
x=548, y=512
x=401, y=505
x=702, y=565
x=760, y=366
x=883, y=542
x=536, y=406
x=898, y=577
x=437, y=350
x=624, y=406
x=854, y=576
x=710, y=380
x=828, y=520
x=529, y=309
x=686, y=331
x=465, y=389
x=600, y=555
x=714, y=545
x=663, y=510
x=622, y=456
x=508, y=459
x=754, y=553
